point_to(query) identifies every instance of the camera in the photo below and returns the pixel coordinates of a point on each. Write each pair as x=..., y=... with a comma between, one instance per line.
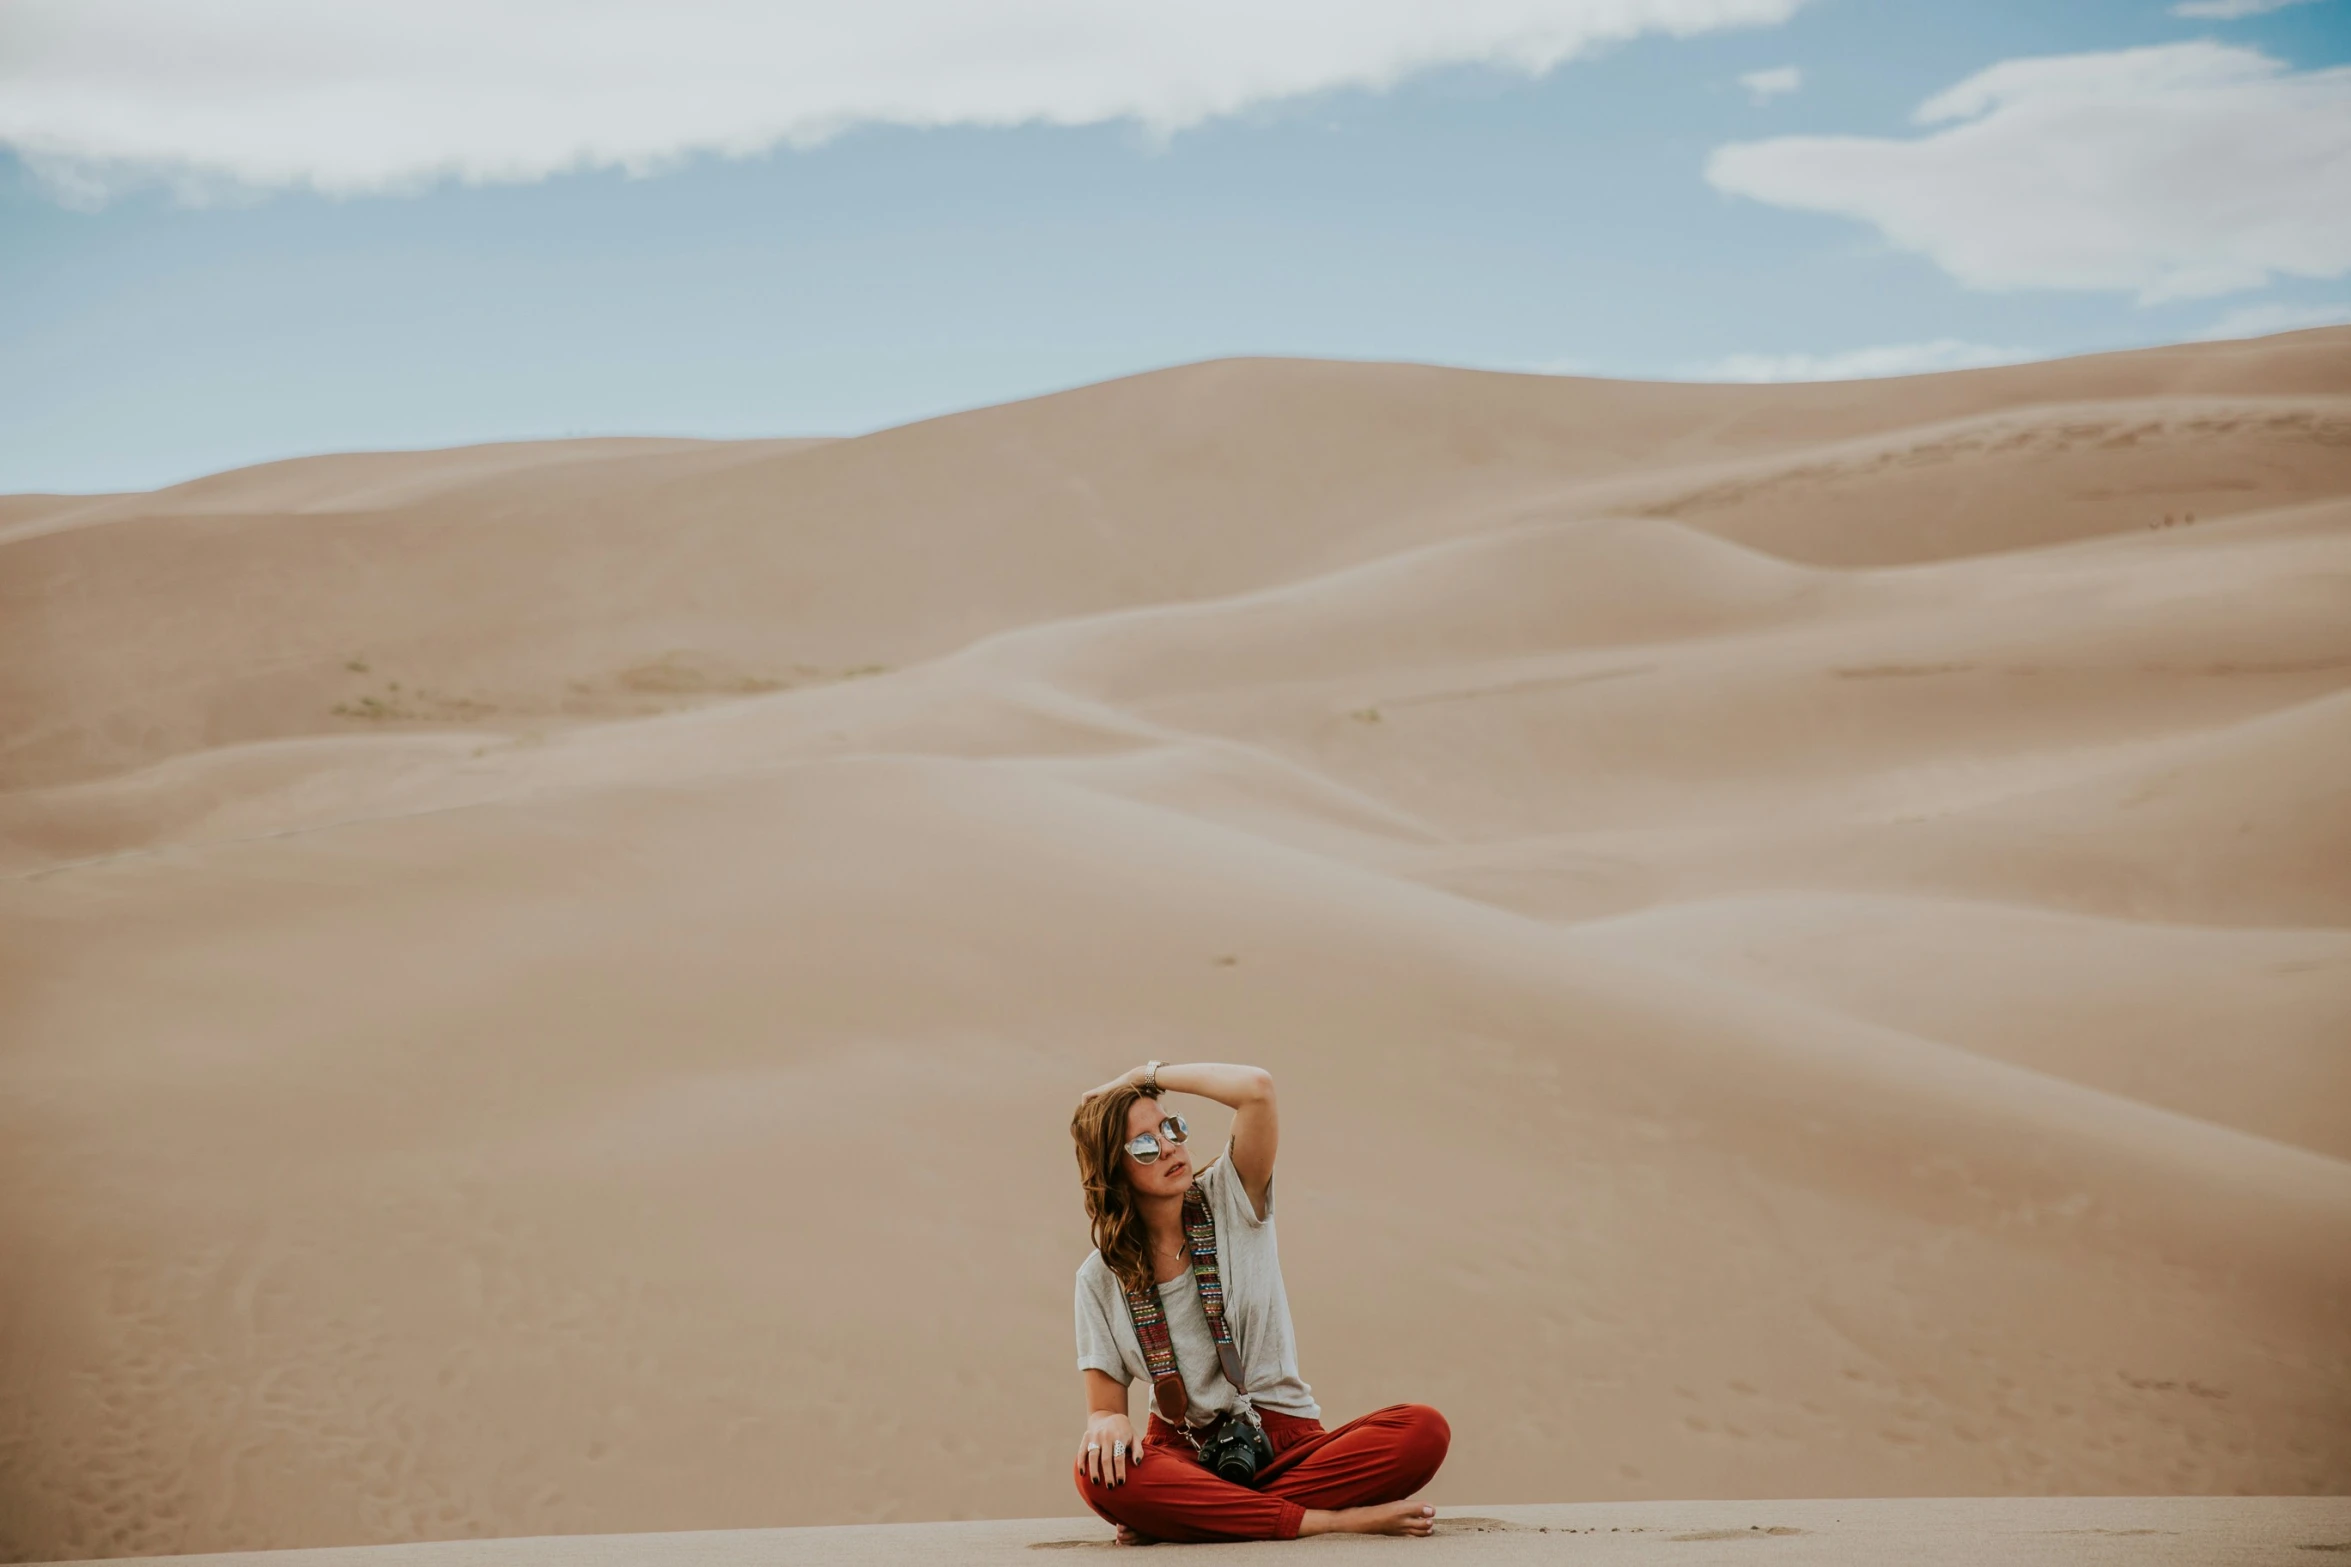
x=1236, y=1447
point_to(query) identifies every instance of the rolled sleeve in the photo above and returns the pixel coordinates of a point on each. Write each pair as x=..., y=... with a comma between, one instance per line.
x=1229, y=1196
x=1097, y=1345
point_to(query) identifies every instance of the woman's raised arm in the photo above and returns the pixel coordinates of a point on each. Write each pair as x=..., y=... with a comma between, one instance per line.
x=1257, y=1128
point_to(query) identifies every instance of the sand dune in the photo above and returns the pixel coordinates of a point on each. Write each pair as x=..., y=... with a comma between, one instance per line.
x=1803, y=930
x=2126, y=1006
x=1921, y=494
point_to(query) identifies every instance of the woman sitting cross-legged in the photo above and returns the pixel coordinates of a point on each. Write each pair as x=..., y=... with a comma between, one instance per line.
x=1184, y=1290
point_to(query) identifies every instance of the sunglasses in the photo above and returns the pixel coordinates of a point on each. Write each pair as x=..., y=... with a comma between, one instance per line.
x=1146, y=1147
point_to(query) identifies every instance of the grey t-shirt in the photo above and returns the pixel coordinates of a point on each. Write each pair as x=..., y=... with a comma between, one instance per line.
x=1256, y=1307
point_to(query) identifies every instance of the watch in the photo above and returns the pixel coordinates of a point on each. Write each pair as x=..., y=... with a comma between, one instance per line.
x=1151, y=1079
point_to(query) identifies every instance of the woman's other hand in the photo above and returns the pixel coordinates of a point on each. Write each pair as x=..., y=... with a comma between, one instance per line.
x=1109, y=1449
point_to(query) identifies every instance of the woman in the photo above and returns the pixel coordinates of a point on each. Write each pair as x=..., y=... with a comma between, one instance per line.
x=1139, y=1182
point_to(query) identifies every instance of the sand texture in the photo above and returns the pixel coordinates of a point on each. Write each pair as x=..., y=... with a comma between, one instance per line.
x=1804, y=933
x=2142, y=1531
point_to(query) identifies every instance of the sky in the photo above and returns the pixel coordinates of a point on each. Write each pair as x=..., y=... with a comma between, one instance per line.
x=253, y=229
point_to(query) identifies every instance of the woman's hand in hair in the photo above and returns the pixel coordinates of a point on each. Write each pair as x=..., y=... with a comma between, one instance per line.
x=1110, y=1448
x=1132, y=1075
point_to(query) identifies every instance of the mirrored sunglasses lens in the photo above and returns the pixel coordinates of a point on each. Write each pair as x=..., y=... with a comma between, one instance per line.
x=1144, y=1148
x=1175, y=1129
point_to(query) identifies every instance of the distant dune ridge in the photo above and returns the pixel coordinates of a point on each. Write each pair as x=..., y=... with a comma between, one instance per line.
x=1805, y=932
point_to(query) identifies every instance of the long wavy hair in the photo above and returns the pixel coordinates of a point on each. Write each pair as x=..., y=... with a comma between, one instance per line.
x=1100, y=1131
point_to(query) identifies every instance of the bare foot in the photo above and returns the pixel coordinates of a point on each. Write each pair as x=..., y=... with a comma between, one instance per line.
x=1412, y=1518
x=1127, y=1536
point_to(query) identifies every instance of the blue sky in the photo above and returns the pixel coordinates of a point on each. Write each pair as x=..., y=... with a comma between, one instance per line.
x=165, y=314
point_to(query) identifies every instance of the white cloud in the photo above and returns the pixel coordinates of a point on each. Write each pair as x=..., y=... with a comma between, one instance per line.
x=1763, y=86
x=369, y=95
x=1860, y=364
x=2230, y=10
x=2261, y=320
x=2173, y=172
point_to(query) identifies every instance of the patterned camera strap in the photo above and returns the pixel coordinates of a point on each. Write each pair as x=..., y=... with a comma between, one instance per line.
x=1167, y=1383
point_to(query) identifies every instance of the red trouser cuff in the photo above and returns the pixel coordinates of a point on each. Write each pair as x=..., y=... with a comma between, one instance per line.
x=1293, y=1516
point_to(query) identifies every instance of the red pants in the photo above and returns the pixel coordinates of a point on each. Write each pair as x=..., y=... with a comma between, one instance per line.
x=1383, y=1457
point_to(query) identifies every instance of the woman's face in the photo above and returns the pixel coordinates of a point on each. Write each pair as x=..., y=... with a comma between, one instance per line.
x=1168, y=1175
